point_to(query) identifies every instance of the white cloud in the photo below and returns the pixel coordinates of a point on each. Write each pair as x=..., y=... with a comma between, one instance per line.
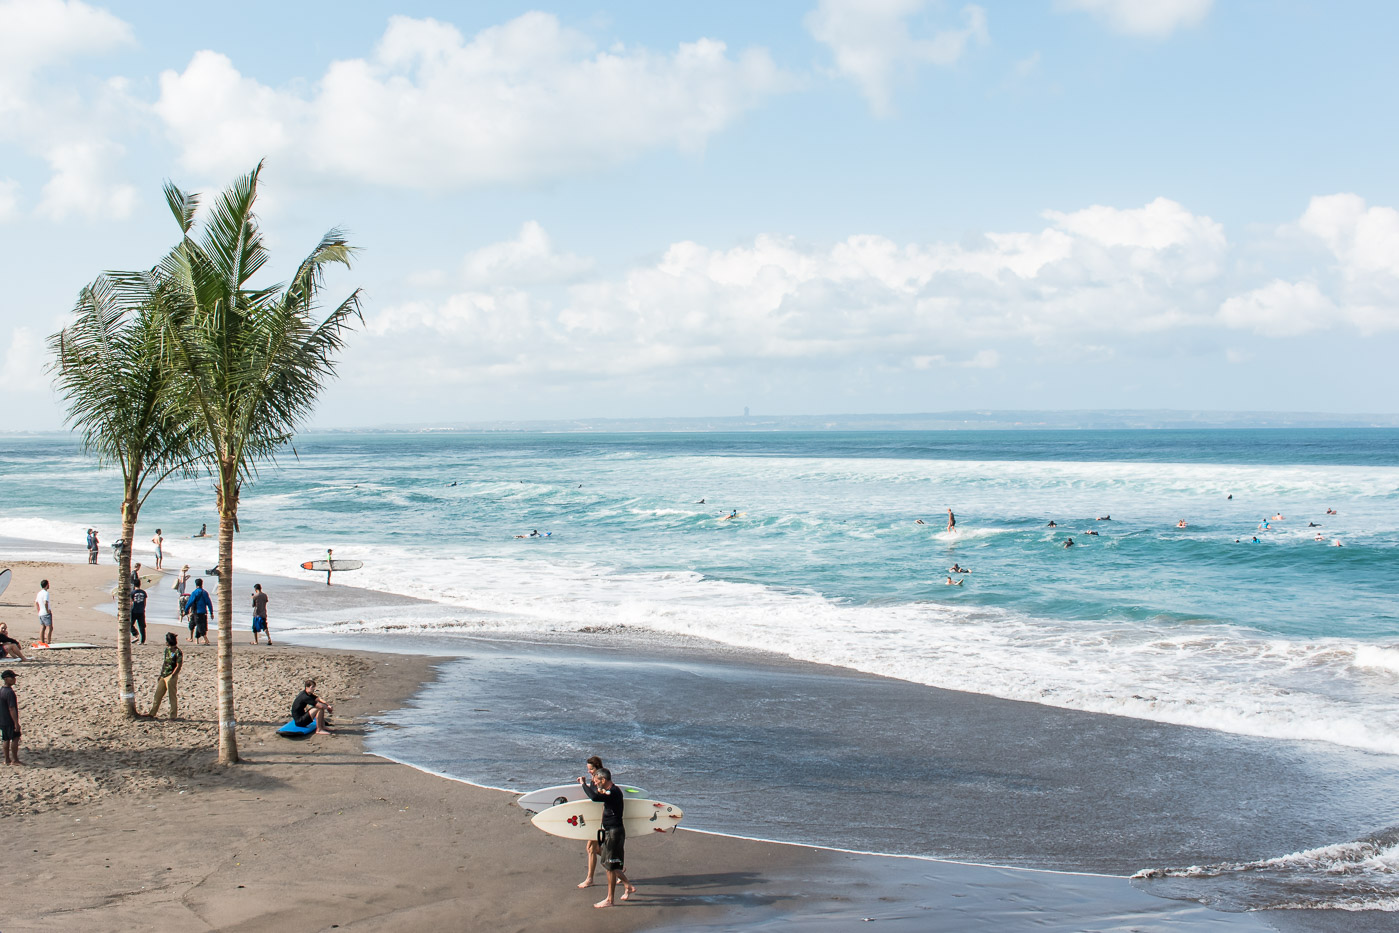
x=873, y=45
x=525, y=100
x=529, y=259
x=38, y=33
x=1280, y=309
x=865, y=299
x=23, y=367
x=80, y=184
x=1154, y=18
x=9, y=199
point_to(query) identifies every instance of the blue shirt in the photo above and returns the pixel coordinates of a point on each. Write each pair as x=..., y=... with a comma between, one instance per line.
x=199, y=602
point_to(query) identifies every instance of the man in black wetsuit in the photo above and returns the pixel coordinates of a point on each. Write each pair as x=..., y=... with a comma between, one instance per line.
x=308, y=708
x=612, y=837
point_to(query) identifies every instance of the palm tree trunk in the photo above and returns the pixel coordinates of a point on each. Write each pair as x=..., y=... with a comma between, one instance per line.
x=228, y=520
x=126, y=684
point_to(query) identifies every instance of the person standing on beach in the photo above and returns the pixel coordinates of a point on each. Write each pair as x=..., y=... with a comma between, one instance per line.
x=179, y=586
x=201, y=610
x=951, y=521
x=169, y=678
x=44, y=605
x=612, y=837
x=329, y=563
x=91, y=546
x=9, y=718
x=593, y=764
x=260, y=614
x=138, y=612
x=159, y=541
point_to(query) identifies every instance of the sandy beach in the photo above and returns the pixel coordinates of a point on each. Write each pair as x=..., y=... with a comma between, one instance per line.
x=117, y=825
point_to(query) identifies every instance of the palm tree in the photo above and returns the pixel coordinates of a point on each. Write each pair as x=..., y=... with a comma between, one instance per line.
x=107, y=364
x=250, y=363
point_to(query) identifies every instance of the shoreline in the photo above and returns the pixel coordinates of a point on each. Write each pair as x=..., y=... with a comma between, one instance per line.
x=740, y=881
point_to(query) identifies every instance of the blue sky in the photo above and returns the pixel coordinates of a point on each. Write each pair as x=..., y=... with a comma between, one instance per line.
x=827, y=206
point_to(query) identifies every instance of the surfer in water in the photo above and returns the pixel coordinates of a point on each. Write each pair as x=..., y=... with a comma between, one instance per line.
x=612, y=838
x=203, y=532
x=1069, y=543
x=951, y=521
x=952, y=582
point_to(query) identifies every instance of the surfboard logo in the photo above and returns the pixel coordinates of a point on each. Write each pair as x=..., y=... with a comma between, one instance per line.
x=577, y=820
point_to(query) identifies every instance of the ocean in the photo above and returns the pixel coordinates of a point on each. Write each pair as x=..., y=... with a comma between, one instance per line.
x=1266, y=623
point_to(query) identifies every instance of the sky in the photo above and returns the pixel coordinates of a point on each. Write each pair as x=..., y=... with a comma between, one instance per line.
x=656, y=210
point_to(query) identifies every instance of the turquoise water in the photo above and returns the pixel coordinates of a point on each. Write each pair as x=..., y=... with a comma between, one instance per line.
x=1289, y=637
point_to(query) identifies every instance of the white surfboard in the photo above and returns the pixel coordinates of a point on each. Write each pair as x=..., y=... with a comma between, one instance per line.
x=581, y=819
x=542, y=799
x=5, y=580
x=338, y=566
x=60, y=646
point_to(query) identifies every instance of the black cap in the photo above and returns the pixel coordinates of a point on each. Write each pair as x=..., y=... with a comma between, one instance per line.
x=5, y=674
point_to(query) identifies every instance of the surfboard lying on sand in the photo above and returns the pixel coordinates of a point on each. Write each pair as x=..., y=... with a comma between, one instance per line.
x=5, y=580
x=542, y=799
x=581, y=819
x=292, y=731
x=60, y=645
x=336, y=565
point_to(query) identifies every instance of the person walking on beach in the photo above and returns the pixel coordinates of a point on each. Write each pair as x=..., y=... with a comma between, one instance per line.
x=201, y=609
x=308, y=708
x=9, y=718
x=169, y=678
x=260, y=615
x=612, y=837
x=593, y=764
x=951, y=521
x=159, y=541
x=45, y=607
x=9, y=645
x=138, y=612
x=179, y=586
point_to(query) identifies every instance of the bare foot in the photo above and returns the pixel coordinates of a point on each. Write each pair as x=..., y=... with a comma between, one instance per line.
x=586, y=883
x=604, y=903
x=630, y=890
x=324, y=732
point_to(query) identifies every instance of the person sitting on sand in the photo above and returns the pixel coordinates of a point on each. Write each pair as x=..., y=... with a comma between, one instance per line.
x=9, y=647
x=9, y=718
x=308, y=708
x=169, y=679
x=612, y=838
x=952, y=582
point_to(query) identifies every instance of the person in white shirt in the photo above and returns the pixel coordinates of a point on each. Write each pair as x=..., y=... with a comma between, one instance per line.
x=45, y=608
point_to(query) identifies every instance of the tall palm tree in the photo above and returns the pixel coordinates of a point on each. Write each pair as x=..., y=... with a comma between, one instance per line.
x=250, y=363
x=107, y=364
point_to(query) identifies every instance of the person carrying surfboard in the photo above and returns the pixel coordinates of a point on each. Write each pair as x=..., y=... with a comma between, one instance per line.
x=593, y=763
x=612, y=837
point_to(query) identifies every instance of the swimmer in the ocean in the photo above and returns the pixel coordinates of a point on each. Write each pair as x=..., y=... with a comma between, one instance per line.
x=701, y=502
x=733, y=513
x=534, y=533
x=1093, y=533
x=1319, y=537
x=1069, y=543
x=1336, y=542
x=1181, y=523
x=1051, y=524
x=1330, y=511
x=1313, y=525
x=956, y=569
x=1255, y=539
x=952, y=582
x=1105, y=518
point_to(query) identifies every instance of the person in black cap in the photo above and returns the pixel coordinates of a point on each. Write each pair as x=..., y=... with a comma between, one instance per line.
x=9, y=718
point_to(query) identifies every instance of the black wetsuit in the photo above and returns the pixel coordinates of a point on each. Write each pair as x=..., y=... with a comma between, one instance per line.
x=298, y=709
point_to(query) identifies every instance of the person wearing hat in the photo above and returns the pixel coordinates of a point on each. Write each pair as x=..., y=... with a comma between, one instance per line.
x=9, y=718
x=181, y=585
x=169, y=676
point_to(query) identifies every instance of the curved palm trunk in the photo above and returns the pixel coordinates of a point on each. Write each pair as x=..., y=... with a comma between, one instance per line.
x=126, y=683
x=228, y=521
